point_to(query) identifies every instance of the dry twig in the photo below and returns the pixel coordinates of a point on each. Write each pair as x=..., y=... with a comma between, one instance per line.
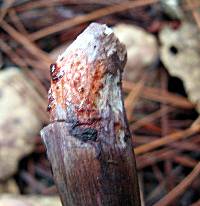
x=180, y=188
x=167, y=140
x=5, y=8
x=28, y=45
x=156, y=95
x=89, y=17
x=131, y=99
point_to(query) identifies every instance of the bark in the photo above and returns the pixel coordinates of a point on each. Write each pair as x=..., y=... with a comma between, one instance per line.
x=88, y=141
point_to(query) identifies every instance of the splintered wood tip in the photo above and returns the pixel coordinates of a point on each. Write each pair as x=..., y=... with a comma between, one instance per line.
x=86, y=78
x=89, y=135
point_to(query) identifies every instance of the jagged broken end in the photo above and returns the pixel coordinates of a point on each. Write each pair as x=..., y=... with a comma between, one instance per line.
x=88, y=135
x=86, y=77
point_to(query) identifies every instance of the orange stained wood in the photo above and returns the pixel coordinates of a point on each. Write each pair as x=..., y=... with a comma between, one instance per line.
x=75, y=82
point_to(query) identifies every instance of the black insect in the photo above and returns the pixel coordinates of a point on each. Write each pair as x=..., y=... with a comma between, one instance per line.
x=55, y=72
x=48, y=108
x=52, y=69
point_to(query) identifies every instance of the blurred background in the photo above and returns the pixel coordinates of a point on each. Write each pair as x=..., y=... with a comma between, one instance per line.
x=161, y=85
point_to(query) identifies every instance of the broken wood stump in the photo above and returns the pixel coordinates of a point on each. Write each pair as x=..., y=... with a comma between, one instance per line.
x=88, y=140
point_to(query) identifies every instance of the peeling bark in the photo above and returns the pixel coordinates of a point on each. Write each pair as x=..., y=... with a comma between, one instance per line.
x=88, y=141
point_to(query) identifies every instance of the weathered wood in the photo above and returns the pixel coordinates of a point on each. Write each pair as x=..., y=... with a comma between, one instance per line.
x=88, y=142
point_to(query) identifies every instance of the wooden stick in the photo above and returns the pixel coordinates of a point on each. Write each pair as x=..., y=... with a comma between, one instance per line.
x=88, y=142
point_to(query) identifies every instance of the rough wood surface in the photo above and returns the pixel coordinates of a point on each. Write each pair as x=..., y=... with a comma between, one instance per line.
x=88, y=140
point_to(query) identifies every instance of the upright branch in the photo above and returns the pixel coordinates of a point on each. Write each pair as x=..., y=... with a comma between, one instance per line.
x=88, y=140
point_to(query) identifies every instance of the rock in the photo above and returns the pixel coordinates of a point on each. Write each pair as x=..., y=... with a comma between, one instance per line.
x=180, y=54
x=14, y=200
x=19, y=122
x=9, y=186
x=172, y=8
x=141, y=47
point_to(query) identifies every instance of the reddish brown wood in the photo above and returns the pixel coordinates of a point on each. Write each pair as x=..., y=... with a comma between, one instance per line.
x=88, y=142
